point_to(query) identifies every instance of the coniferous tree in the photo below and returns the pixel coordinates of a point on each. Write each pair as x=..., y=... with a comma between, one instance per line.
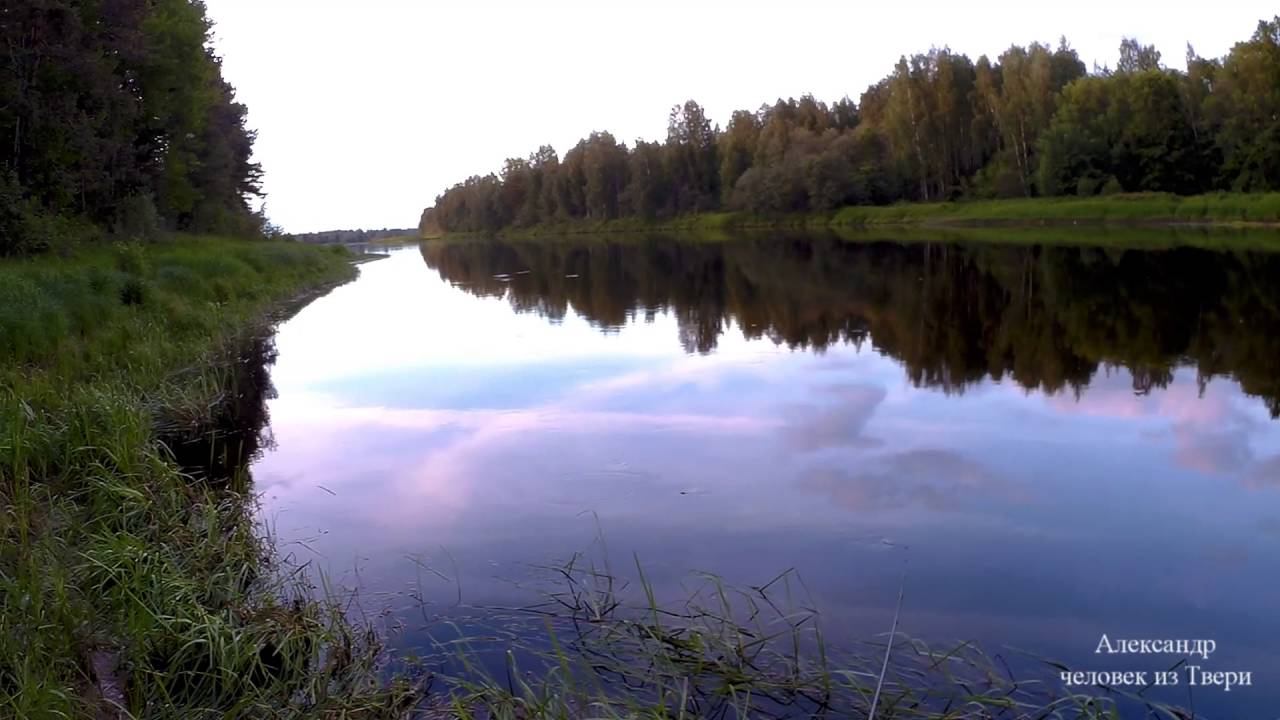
x=116, y=111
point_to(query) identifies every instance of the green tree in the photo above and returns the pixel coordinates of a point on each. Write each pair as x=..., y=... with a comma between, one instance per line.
x=1136, y=57
x=938, y=127
x=737, y=148
x=648, y=190
x=1129, y=126
x=1245, y=110
x=107, y=107
x=692, y=159
x=604, y=168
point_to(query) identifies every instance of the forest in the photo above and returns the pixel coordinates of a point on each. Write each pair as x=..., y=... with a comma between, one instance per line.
x=115, y=117
x=941, y=127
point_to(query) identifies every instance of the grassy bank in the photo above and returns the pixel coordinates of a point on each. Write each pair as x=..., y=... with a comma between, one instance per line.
x=1231, y=210
x=1143, y=208
x=129, y=586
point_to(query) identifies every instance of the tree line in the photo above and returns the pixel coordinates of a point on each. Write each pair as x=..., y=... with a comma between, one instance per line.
x=940, y=127
x=350, y=236
x=114, y=114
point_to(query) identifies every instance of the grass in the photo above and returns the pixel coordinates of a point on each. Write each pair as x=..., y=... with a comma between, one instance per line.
x=129, y=585
x=1220, y=210
x=1119, y=237
x=606, y=648
x=1163, y=208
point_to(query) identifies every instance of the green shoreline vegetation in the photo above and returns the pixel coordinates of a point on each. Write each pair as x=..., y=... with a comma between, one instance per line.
x=137, y=294
x=1133, y=213
x=125, y=579
x=1027, y=137
x=1229, y=209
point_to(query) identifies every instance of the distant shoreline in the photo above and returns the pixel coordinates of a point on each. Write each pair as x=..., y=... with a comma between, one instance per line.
x=1142, y=210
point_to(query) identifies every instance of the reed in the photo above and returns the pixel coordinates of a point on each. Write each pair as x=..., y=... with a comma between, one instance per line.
x=596, y=645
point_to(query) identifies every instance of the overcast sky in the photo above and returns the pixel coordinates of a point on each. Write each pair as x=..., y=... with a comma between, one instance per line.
x=366, y=110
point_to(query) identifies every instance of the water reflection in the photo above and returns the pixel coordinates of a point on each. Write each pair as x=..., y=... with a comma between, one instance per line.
x=220, y=447
x=953, y=314
x=935, y=479
x=1084, y=441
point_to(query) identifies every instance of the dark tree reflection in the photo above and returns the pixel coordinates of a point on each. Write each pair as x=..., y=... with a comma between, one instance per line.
x=1046, y=317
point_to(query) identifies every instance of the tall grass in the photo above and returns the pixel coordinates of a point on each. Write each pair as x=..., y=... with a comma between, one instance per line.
x=596, y=646
x=130, y=587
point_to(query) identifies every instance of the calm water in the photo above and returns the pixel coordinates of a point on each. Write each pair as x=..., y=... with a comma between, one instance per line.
x=1053, y=442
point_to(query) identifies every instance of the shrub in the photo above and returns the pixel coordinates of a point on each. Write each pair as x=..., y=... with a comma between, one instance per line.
x=1088, y=186
x=134, y=291
x=131, y=258
x=18, y=229
x=137, y=219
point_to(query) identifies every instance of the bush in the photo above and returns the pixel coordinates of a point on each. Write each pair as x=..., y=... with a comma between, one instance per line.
x=137, y=219
x=134, y=291
x=131, y=258
x=999, y=180
x=60, y=232
x=1088, y=186
x=1112, y=187
x=19, y=233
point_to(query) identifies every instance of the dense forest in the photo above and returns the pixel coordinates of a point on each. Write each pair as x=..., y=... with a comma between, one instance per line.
x=1033, y=122
x=114, y=115
x=952, y=314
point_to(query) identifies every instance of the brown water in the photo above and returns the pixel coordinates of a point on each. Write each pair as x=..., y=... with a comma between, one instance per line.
x=1053, y=442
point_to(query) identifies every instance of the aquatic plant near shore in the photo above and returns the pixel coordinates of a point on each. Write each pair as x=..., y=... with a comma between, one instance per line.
x=588, y=648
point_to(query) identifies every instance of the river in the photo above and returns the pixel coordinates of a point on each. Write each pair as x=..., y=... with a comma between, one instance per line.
x=1037, y=444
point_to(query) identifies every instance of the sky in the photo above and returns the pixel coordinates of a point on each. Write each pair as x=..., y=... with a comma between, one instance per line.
x=366, y=111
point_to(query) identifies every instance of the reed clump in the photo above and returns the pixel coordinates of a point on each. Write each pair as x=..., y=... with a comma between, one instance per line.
x=596, y=646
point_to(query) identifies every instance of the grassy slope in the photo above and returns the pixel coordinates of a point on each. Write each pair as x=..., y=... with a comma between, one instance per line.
x=1143, y=209
x=116, y=568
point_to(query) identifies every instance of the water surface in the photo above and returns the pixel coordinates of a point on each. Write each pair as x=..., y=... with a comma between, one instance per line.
x=1053, y=442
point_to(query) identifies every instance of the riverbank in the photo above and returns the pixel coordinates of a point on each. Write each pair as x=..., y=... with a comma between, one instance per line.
x=1220, y=210
x=133, y=584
